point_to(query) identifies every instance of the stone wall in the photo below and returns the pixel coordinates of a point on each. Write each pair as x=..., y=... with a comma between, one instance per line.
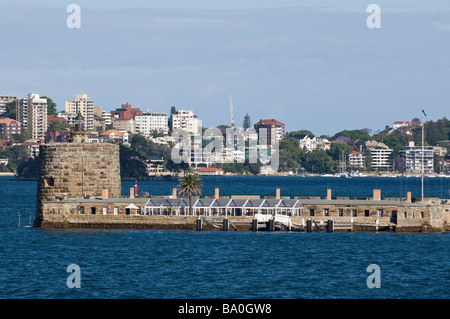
x=77, y=170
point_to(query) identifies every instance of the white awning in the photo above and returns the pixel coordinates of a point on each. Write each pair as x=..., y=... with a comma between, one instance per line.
x=132, y=206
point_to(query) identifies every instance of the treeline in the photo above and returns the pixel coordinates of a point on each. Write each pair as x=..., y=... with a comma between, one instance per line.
x=321, y=161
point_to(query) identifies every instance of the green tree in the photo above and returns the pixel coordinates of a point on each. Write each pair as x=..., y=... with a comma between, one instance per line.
x=290, y=154
x=318, y=161
x=10, y=110
x=300, y=134
x=190, y=185
x=57, y=126
x=51, y=106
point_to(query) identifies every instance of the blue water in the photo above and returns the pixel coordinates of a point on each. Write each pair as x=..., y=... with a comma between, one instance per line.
x=188, y=264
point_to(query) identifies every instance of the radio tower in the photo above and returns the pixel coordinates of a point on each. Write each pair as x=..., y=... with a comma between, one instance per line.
x=233, y=125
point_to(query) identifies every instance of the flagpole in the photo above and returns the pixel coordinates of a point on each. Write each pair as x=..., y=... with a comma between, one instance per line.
x=422, y=151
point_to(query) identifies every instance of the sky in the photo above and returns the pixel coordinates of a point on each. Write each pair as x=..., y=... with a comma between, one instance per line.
x=312, y=65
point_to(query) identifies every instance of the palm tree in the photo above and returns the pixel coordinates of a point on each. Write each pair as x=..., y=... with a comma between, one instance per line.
x=190, y=185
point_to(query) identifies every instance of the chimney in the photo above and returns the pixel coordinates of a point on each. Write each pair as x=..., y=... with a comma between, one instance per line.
x=216, y=193
x=328, y=193
x=105, y=194
x=408, y=197
x=278, y=194
x=132, y=192
x=174, y=192
x=376, y=194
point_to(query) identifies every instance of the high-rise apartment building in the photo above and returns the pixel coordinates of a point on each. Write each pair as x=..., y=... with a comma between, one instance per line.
x=184, y=120
x=149, y=122
x=32, y=113
x=85, y=106
x=273, y=130
x=418, y=158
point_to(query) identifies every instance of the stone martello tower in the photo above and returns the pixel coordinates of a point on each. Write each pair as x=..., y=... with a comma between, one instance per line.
x=77, y=170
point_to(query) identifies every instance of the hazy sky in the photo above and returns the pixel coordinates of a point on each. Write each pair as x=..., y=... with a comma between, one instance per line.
x=310, y=64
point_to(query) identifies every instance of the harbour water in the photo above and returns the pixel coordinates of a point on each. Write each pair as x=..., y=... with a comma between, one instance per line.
x=204, y=265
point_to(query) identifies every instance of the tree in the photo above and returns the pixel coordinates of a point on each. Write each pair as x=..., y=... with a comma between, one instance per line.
x=300, y=134
x=10, y=110
x=247, y=123
x=190, y=185
x=318, y=161
x=51, y=106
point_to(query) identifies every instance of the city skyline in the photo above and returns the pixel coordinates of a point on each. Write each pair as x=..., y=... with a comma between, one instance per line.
x=316, y=66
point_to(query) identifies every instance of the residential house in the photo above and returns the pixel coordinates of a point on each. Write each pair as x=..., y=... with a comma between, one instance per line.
x=115, y=136
x=356, y=159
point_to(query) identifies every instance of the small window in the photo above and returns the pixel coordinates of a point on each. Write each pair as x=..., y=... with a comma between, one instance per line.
x=380, y=213
x=366, y=213
x=341, y=212
x=81, y=210
x=354, y=214
x=116, y=210
x=105, y=210
x=406, y=215
x=311, y=212
x=326, y=212
x=92, y=210
x=421, y=214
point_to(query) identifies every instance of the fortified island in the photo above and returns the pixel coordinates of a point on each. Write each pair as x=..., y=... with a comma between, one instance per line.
x=79, y=186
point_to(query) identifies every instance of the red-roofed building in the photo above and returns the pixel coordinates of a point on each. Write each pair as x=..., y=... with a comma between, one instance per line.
x=115, y=136
x=210, y=171
x=272, y=129
x=126, y=112
x=9, y=127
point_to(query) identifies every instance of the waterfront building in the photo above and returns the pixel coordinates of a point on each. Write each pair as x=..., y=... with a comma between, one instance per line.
x=5, y=99
x=271, y=128
x=9, y=127
x=184, y=120
x=149, y=123
x=85, y=106
x=210, y=171
x=356, y=159
x=380, y=154
x=416, y=155
x=32, y=113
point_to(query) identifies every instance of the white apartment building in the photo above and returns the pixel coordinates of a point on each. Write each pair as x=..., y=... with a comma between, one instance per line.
x=149, y=122
x=356, y=159
x=5, y=99
x=84, y=105
x=380, y=154
x=184, y=120
x=415, y=155
x=107, y=116
x=32, y=113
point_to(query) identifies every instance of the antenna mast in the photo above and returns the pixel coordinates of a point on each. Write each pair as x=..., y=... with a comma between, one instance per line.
x=233, y=125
